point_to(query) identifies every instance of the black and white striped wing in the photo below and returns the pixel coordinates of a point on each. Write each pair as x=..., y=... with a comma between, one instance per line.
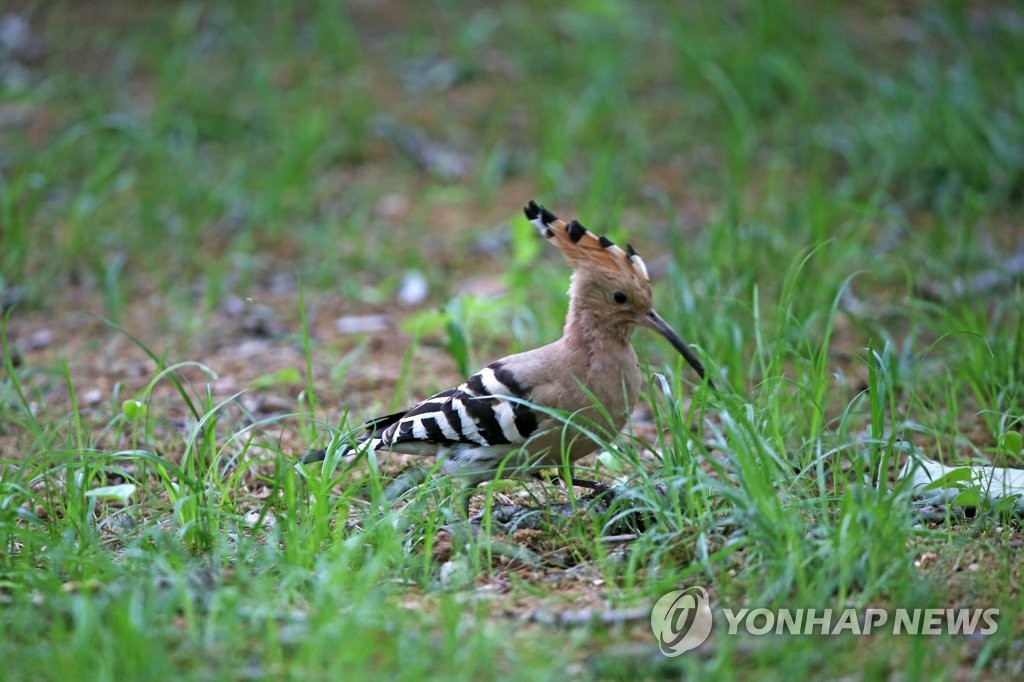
x=476, y=413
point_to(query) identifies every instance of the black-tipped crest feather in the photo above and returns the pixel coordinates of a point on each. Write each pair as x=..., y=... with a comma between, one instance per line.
x=575, y=230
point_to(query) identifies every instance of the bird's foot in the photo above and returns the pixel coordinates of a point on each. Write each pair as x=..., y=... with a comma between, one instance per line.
x=597, y=487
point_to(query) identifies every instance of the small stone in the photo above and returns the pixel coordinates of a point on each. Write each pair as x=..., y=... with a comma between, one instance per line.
x=282, y=283
x=362, y=324
x=455, y=574
x=261, y=321
x=391, y=206
x=251, y=347
x=41, y=338
x=413, y=289
x=10, y=297
x=272, y=403
x=17, y=40
x=233, y=306
x=926, y=560
x=251, y=517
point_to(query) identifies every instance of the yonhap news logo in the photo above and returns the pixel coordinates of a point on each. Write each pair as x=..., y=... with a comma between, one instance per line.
x=682, y=620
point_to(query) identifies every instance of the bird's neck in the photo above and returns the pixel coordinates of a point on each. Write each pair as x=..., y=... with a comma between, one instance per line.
x=598, y=354
x=595, y=334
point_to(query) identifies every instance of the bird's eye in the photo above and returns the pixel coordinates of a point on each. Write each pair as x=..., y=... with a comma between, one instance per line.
x=619, y=297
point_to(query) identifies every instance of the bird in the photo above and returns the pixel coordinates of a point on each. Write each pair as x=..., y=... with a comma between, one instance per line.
x=510, y=416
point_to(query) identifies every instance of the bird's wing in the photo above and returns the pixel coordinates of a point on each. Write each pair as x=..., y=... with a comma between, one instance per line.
x=374, y=427
x=478, y=412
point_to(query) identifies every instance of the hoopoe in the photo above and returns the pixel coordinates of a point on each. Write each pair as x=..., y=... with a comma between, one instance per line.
x=496, y=421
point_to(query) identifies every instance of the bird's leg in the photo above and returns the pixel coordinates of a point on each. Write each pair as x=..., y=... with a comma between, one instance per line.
x=598, y=487
x=467, y=495
x=404, y=482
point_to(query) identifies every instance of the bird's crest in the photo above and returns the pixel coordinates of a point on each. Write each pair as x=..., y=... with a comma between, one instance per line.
x=581, y=247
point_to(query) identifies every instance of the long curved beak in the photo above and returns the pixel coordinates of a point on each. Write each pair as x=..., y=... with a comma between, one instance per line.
x=658, y=324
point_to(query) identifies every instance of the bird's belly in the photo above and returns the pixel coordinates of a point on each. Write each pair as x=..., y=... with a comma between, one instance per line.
x=481, y=463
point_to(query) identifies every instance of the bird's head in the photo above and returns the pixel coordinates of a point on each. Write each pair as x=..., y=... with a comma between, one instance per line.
x=610, y=285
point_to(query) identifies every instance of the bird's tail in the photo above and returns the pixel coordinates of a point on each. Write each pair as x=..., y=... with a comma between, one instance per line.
x=347, y=451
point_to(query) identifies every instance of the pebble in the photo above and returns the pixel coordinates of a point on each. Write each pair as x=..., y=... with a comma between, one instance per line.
x=413, y=290
x=41, y=338
x=362, y=324
x=391, y=206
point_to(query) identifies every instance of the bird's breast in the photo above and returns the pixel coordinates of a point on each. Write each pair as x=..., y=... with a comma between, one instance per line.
x=616, y=385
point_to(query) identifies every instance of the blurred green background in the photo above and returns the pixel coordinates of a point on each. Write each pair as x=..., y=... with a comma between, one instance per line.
x=213, y=143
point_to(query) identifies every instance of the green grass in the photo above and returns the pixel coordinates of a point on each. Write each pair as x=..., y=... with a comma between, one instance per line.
x=809, y=181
